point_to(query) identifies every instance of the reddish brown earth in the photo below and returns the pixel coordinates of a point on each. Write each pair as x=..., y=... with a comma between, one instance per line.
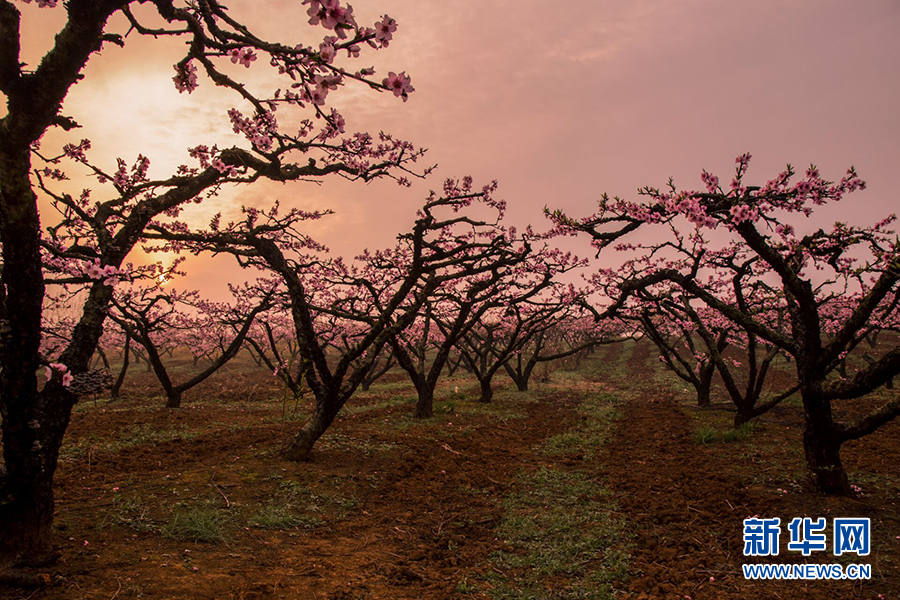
x=686, y=501
x=416, y=530
x=421, y=501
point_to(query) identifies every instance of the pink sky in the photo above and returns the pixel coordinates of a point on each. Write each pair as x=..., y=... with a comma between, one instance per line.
x=558, y=101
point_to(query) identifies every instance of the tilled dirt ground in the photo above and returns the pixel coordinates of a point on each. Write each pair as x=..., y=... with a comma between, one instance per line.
x=686, y=502
x=410, y=510
x=423, y=512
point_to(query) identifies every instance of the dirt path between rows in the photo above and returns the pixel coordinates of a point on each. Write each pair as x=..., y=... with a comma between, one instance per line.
x=427, y=499
x=424, y=520
x=432, y=523
x=685, y=503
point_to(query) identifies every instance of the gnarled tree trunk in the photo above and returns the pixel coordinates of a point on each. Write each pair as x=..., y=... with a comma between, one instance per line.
x=704, y=385
x=487, y=392
x=425, y=403
x=31, y=425
x=302, y=443
x=822, y=445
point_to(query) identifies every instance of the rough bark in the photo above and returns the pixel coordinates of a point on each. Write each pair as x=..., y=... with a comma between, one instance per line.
x=487, y=392
x=301, y=445
x=822, y=443
x=29, y=453
x=425, y=403
x=704, y=386
x=822, y=446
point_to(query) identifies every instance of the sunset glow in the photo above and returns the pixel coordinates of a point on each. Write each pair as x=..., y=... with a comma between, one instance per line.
x=445, y=299
x=625, y=95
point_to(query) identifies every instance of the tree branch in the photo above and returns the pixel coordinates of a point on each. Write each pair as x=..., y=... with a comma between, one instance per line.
x=867, y=380
x=869, y=423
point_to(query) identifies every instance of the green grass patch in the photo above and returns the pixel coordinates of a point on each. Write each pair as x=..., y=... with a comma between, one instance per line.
x=604, y=366
x=138, y=435
x=402, y=384
x=707, y=434
x=129, y=512
x=588, y=438
x=200, y=524
x=283, y=516
x=558, y=523
x=464, y=586
x=505, y=405
x=294, y=505
x=562, y=537
x=132, y=437
x=356, y=408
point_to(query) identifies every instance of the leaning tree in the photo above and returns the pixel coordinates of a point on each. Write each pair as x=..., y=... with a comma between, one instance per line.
x=96, y=229
x=371, y=295
x=454, y=309
x=809, y=270
x=152, y=316
x=694, y=340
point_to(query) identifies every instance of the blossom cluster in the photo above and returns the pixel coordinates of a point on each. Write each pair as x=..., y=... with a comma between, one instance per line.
x=185, y=77
x=43, y=3
x=63, y=370
x=107, y=273
x=260, y=129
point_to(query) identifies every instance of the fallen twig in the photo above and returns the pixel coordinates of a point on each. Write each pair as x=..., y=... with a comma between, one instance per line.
x=118, y=590
x=449, y=449
x=216, y=487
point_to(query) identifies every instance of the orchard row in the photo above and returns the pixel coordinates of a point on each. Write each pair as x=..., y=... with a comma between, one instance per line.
x=733, y=278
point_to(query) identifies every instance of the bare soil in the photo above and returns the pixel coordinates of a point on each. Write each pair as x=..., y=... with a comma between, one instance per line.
x=195, y=503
